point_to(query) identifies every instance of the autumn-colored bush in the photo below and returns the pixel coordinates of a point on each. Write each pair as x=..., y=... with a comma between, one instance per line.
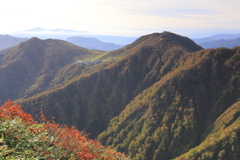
x=22, y=138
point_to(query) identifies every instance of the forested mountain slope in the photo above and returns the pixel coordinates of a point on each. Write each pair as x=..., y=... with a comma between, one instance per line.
x=188, y=107
x=89, y=102
x=221, y=138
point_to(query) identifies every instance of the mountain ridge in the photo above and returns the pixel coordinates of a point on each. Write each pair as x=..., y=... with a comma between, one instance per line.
x=229, y=43
x=216, y=37
x=122, y=76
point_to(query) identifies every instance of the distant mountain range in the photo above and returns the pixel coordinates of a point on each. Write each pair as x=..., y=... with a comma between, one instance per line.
x=118, y=41
x=93, y=43
x=39, y=29
x=108, y=43
x=229, y=43
x=114, y=39
x=89, y=43
x=225, y=36
x=7, y=41
x=219, y=40
x=216, y=37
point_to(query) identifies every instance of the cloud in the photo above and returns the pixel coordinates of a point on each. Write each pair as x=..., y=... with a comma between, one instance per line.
x=177, y=12
x=115, y=15
x=196, y=11
x=173, y=8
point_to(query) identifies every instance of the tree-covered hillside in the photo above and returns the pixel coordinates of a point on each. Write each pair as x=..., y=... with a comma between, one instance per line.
x=183, y=110
x=38, y=65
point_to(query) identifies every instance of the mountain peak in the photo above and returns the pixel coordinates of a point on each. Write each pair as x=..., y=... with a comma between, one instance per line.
x=34, y=39
x=180, y=40
x=183, y=41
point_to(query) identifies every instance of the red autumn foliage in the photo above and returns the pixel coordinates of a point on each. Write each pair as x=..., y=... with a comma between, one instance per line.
x=70, y=139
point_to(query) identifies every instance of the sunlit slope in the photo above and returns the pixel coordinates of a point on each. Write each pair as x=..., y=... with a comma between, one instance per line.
x=221, y=139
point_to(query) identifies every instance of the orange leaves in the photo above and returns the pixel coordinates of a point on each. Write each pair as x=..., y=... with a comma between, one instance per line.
x=33, y=130
x=77, y=144
x=10, y=111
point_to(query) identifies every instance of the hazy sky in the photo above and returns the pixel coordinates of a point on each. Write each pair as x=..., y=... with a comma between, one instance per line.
x=123, y=17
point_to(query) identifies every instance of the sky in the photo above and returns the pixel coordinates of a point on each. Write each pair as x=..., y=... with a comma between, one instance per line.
x=194, y=18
